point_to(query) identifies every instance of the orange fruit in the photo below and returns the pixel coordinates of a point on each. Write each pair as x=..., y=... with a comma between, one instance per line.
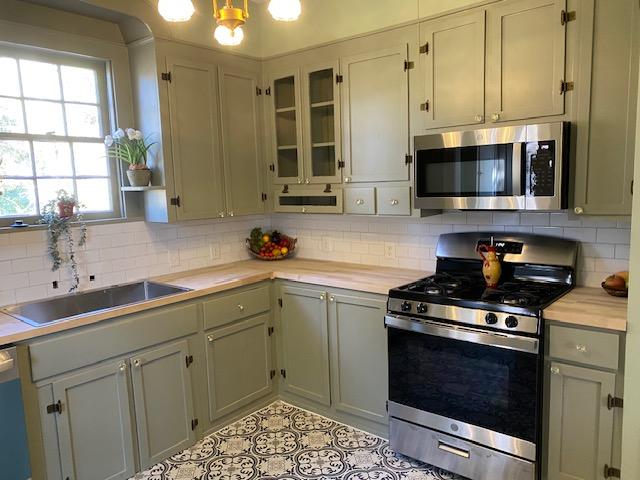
x=284, y=250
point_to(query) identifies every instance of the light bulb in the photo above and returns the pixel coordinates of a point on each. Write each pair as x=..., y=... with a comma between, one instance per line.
x=176, y=10
x=226, y=36
x=285, y=10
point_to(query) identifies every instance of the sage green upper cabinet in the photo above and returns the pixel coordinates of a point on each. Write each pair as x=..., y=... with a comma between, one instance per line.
x=375, y=122
x=286, y=127
x=607, y=90
x=94, y=423
x=453, y=63
x=241, y=142
x=525, y=59
x=305, y=343
x=195, y=149
x=238, y=365
x=580, y=424
x=322, y=144
x=163, y=402
x=358, y=343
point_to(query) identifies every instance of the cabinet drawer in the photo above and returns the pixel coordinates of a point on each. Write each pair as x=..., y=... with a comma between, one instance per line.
x=394, y=200
x=361, y=201
x=599, y=349
x=229, y=308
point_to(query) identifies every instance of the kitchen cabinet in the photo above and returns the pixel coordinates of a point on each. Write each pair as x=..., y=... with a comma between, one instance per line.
x=197, y=162
x=525, y=59
x=375, y=116
x=163, y=401
x=95, y=423
x=607, y=90
x=305, y=343
x=322, y=132
x=358, y=345
x=580, y=424
x=241, y=140
x=452, y=70
x=238, y=364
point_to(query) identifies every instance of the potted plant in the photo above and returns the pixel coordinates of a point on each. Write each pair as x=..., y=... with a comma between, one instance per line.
x=131, y=147
x=59, y=215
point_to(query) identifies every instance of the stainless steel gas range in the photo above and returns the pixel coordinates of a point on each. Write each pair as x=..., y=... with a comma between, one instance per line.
x=465, y=361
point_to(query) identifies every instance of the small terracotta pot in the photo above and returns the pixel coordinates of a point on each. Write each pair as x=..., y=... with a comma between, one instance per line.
x=65, y=209
x=139, y=177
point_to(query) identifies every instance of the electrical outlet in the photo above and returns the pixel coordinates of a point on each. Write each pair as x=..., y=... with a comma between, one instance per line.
x=214, y=250
x=328, y=244
x=389, y=250
x=174, y=258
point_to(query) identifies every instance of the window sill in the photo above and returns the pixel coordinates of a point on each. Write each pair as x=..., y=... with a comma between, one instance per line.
x=34, y=227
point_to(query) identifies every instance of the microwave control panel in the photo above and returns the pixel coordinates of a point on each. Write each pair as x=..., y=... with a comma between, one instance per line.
x=541, y=168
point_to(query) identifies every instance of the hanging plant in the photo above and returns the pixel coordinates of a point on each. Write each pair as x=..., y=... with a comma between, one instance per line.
x=60, y=215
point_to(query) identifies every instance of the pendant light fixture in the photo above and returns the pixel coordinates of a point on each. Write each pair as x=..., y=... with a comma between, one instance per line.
x=230, y=20
x=285, y=10
x=176, y=10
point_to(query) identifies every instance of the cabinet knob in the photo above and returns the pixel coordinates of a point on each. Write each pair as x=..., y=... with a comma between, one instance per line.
x=578, y=210
x=581, y=348
x=307, y=181
x=479, y=118
x=137, y=363
x=221, y=214
x=231, y=214
x=332, y=298
x=299, y=180
x=495, y=117
x=241, y=307
x=123, y=367
x=555, y=370
x=210, y=338
x=394, y=202
x=322, y=296
x=304, y=210
x=347, y=179
x=359, y=201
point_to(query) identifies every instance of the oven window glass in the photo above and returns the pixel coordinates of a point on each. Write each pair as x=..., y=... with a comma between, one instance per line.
x=479, y=171
x=486, y=386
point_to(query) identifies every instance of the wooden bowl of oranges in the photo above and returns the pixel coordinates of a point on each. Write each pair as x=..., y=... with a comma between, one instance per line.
x=270, y=245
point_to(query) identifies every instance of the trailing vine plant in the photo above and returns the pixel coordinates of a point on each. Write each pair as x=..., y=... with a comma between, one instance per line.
x=60, y=217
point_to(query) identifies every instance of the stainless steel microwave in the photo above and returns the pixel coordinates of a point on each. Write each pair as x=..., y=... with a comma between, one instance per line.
x=522, y=167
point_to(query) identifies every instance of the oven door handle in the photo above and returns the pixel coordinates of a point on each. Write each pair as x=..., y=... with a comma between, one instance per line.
x=493, y=339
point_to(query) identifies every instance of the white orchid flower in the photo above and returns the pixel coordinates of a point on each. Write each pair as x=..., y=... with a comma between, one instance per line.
x=131, y=133
x=118, y=134
x=108, y=141
x=138, y=135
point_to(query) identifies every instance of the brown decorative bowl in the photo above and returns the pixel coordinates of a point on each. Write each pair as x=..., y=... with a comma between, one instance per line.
x=614, y=292
x=292, y=250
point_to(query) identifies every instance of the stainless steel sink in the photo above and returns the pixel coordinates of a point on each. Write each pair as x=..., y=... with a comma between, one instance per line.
x=85, y=303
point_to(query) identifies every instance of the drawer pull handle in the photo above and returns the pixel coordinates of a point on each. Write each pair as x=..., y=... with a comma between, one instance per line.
x=453, y=450
x=241, y=307
x=359, y=201
x=122, y=367
x=555, y=370
x=394, y=202
x=581, y=348
x=210, y=338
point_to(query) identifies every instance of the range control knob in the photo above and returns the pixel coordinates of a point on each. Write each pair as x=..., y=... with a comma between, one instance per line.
x=406, y=306
x=422, y=308
x=511, y=321
x=491, y=318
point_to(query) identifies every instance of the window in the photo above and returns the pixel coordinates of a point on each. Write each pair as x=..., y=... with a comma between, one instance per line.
x=54, y=111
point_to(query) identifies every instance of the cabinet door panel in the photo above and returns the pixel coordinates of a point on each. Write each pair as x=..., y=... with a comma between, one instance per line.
x=580, y=425
x=305, y=343
x=238, y=365
x=95, y=424
x=525, y=59
x=454, y=70
x=375, y=97
x=607, y=93
x=164, y=402
x=359, y=356
x=241, y=142
x=195, y=139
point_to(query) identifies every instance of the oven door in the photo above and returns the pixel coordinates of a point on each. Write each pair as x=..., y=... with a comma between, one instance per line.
x=473, y=384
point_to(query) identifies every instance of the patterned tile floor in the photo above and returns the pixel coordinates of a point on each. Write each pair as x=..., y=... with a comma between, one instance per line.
x=284, y=442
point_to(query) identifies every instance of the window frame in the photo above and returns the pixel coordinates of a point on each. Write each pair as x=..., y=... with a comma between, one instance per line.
x=106, y=108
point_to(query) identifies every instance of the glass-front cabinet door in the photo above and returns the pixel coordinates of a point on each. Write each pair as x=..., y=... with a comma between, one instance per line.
x=322, y=124
x=287, y=157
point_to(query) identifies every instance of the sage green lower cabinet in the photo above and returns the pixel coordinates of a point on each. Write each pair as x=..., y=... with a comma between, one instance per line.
x=238, y=365
x=358, y=341
x=163, y=401
x=580, y=423
x=305, y=343
x=95, y=434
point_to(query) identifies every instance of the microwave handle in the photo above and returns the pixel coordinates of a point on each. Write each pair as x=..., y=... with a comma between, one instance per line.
x=516, y=168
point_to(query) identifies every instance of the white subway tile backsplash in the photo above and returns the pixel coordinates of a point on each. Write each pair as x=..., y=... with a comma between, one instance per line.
x=614, y=235
x=534, y=219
